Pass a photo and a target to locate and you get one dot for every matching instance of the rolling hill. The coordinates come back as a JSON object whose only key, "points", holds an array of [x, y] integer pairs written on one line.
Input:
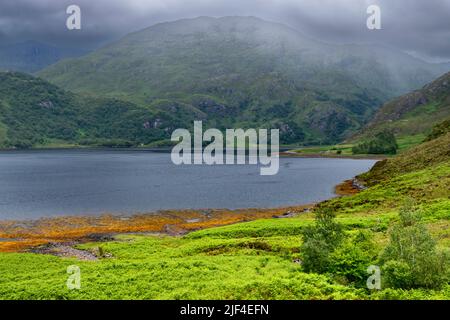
{"points": [[429, 154], [34, 113], [247, 72], [414, 113]]}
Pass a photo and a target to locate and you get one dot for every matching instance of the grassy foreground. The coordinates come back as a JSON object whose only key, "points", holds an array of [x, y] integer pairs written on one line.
{"points": [[253, 260]]}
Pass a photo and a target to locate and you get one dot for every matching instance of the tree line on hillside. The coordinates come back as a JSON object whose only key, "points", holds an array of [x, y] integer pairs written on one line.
{"points": [[383, 142]]}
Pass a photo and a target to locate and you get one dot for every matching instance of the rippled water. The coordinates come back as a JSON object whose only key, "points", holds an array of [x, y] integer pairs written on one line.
{"points": [[43, 183]]}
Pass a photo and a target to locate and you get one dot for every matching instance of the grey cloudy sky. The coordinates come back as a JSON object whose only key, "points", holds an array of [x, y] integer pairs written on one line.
{"points": [[421, 27]]}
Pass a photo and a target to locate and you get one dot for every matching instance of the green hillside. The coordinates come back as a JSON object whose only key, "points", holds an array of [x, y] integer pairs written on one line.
{"points": [[246, 72], [415, 113], [431, 153], [35, 113]]}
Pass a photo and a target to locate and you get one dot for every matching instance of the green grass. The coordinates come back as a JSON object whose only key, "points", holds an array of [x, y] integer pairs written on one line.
{"points": [[345, 150], [252, 260], [407, 142], [245, 261], [167, 268]]}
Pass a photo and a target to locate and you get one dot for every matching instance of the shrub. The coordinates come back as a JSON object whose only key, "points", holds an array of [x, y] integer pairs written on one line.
{"points": [[398, 274], [411, 259], [352, 258], [320, 240]]}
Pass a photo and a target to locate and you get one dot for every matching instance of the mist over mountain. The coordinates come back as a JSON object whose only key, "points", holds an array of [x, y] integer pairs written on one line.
{"points": [[247, 72], [31, 56]]}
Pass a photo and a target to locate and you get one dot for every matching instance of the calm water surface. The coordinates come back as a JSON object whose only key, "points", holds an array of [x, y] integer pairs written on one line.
{"points": [[36, 184]]}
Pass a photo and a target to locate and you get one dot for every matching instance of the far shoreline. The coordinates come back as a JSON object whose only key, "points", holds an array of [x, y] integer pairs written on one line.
{"points": [[285, 152], [292, 154]]}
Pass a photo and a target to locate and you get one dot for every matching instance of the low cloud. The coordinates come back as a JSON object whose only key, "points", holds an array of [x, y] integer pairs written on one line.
{"points": [[416, 26]]}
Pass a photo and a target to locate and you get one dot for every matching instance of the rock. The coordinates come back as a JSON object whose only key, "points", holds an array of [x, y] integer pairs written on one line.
{"points": [[97, 237], [46, 104], [288, 214], [65, 250], [356, 184], [174, 230], [147, 125], [99, 252]]}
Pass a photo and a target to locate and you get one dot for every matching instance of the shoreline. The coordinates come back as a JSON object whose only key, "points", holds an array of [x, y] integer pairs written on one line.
{"points": [[167, 149], [283, 153], [28, 235], [291, 154], [38, 235]]}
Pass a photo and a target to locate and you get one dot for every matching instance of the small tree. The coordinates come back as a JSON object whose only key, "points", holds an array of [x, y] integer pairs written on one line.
{"points": [[320, 240], [411, 259]]}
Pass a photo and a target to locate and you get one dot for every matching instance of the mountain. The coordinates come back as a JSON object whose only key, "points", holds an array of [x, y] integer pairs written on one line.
{"points": [[32, 56], [247, 72], [34, 113], [416, 112]]}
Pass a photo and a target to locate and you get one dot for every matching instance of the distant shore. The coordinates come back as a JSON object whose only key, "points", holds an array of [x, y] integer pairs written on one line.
{"points": [[284, 152], [293, 154]]}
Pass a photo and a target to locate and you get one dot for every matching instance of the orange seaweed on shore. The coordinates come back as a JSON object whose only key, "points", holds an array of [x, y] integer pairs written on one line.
{"points": [[22, 235], [346, 188]]}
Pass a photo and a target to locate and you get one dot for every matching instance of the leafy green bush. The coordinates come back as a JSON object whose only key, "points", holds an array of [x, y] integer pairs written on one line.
{"points": [[320, 240], [327, 249], [398, 274], [411, 259], [352, 258], [383, 142]]}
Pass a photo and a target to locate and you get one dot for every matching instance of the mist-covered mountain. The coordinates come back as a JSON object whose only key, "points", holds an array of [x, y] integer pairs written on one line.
{"points": [[416, 112], [32, 56], [243, 71]]}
